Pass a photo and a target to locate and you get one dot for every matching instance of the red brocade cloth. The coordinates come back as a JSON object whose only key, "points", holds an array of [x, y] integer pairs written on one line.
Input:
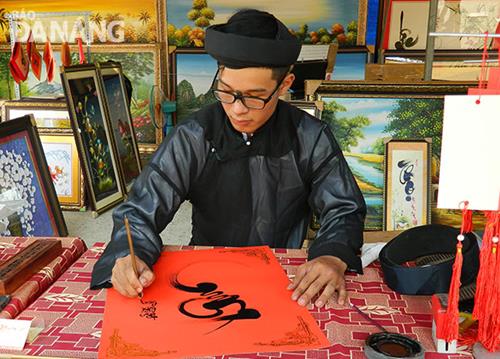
{"points": [[72, 314], [72, 249]]}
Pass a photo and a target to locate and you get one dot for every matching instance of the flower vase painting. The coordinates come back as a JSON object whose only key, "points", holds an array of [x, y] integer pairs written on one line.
{"points": [[94, 135]]}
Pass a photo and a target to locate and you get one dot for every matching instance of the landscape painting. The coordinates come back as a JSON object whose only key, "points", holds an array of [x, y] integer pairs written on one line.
{"points": [[109, 21], [318, 22], [360, 125], [194, 75]]}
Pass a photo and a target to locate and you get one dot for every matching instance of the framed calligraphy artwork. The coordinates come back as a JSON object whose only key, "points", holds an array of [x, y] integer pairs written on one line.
{"points": [[407, 184], [226, 300], [407, 21]]}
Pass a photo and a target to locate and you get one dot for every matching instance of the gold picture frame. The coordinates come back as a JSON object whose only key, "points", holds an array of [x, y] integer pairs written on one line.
{"points": [[61, 154], [48, 114], [407, 183]]}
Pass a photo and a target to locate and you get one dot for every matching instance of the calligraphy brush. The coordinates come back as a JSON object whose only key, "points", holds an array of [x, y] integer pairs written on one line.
{"points": [[132, 254], [368, 318]]}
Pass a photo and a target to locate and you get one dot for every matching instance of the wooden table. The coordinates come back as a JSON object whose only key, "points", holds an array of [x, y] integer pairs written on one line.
{"points": [[73, 314]]}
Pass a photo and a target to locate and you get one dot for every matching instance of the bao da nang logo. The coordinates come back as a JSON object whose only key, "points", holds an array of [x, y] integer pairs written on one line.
{"points": [[66, 28]]}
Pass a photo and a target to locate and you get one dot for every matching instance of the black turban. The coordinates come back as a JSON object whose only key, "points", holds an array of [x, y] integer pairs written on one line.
{"points": [[252, 38]]}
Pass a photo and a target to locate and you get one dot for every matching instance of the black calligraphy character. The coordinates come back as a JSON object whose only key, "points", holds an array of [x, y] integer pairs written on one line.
{"points": [[405, 177], [214, 303], [149, 309]]}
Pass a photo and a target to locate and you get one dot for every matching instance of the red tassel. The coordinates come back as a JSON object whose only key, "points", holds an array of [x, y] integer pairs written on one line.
{"points": [[481, 297], [487, 304], [450, 327], [81, 53]]}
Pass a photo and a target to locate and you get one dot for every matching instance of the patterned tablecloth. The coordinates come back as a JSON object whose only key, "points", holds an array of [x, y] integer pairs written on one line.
{"points": [[73, 314], [73, 248]]}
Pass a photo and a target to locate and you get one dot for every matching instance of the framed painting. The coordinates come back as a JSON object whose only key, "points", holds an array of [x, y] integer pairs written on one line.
{"points": [[61, 154], [345, 23], [117, 101], [349, 66], [407, 22], [311, 107], [27, 196], [47, 113], [194, 71], [141, 65], [407, 184], [94, 136], [362, 114]]}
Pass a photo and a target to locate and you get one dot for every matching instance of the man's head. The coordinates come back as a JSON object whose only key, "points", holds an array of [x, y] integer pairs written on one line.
{"points": [[255, 52]]}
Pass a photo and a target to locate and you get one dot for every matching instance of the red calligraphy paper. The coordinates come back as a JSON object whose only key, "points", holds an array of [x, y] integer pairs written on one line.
{"points": [[210, 302]]}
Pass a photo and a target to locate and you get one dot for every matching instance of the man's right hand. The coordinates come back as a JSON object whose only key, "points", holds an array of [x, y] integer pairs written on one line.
{"points": [[124, 279]]}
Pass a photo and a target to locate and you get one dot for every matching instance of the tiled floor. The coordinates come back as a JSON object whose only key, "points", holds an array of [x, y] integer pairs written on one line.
{"points": [[91, 230]]}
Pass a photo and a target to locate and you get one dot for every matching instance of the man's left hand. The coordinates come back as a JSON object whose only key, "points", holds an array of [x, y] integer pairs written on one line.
{"points": [[324, 273]]}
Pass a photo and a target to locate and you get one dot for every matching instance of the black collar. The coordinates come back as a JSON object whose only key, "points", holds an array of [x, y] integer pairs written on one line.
{"points": [[274, 139]]}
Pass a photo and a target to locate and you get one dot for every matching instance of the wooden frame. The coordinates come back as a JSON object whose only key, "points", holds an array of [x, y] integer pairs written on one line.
{"points": [[26, 178], [407, 183], [364, 108], [47, 113], [93, 134], [61, 154], [121, 121]]}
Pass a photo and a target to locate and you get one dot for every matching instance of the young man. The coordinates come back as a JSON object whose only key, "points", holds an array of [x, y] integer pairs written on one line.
{"points": [[253, 167]]}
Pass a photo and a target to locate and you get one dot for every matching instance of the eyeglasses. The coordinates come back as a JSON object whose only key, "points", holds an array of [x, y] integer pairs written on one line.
{"points": [[251, 102]]}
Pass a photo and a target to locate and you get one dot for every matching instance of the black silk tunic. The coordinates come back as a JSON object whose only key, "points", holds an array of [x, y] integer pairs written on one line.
{"points": [[258, 191]]}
